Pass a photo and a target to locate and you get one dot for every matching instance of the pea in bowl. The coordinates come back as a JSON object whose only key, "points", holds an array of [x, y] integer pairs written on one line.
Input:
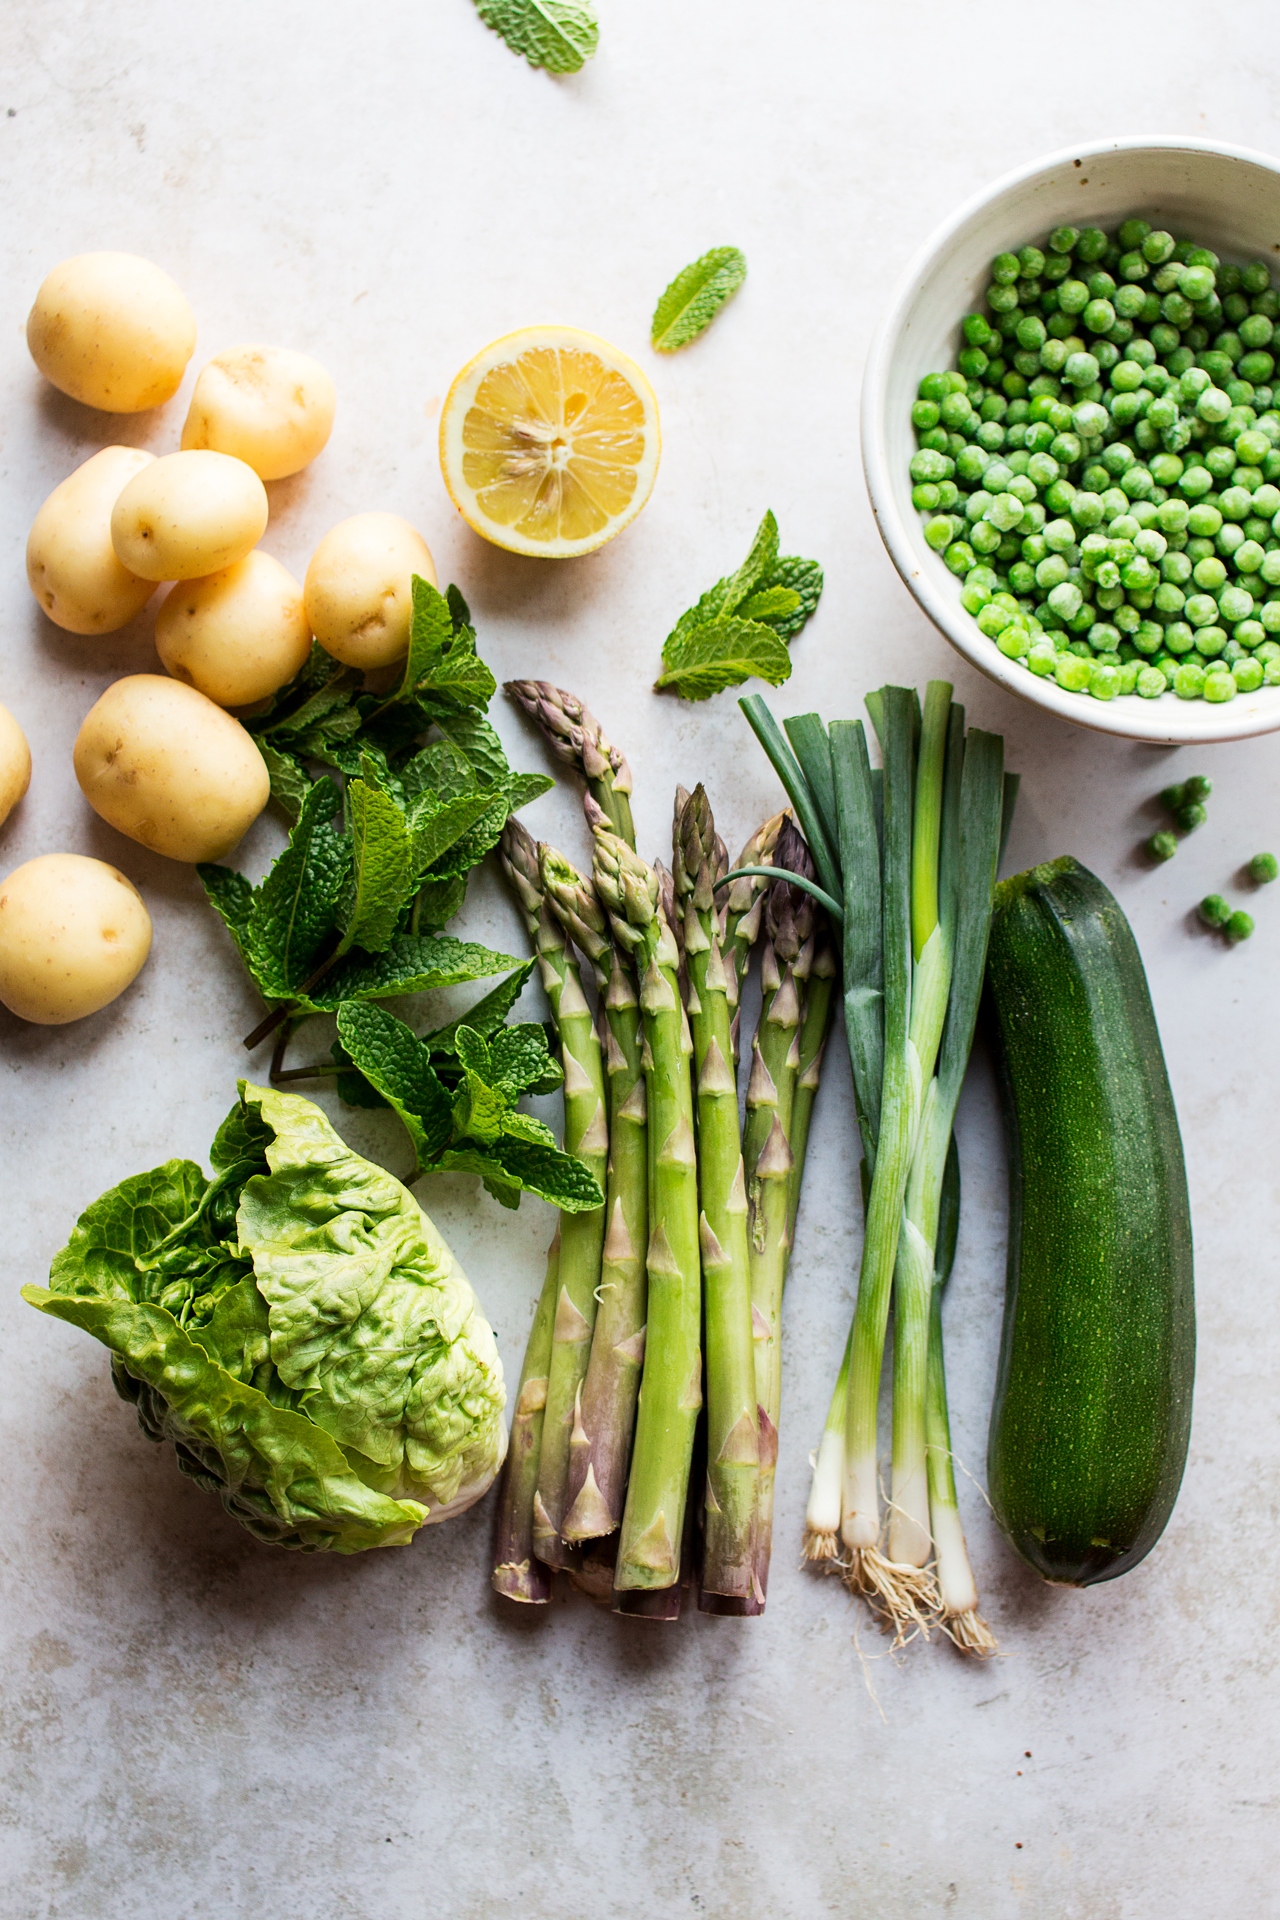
{"points": [[1071, 436]]}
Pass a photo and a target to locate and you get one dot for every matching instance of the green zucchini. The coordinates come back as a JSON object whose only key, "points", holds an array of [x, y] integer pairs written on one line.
{"points": [[1092, 1407]]}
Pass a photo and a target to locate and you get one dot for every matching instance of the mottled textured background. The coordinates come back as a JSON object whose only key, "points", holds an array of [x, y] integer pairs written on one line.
{"points": [[197, 1726]]}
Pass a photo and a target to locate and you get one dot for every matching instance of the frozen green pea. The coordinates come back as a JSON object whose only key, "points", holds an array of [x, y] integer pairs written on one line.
{"points": [[959, 557], [1248, 674], [1162, 846], [1214, 911], [1219, 687], [1104, 681], [1072, 674], [1263, 868], [1188, 681], [1238, 927], [1150, 684], [1014, 641]]}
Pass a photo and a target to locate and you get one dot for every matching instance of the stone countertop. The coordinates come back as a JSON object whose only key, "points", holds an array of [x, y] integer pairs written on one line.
{"points": [[195, 1725]]}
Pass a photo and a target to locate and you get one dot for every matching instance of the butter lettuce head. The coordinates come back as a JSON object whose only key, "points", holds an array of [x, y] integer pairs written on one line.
{"points": [[296, 1327]]}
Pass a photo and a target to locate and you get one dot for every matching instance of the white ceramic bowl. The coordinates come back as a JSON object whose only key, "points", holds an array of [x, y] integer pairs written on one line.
{"points": [[1223, 197]]}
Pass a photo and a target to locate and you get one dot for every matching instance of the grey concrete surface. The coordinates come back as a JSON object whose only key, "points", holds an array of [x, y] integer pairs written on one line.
{"points": [[195, 1726]]}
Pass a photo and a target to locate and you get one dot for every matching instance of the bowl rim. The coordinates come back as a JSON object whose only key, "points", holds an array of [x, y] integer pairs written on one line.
{"points": [[1148, 723]]}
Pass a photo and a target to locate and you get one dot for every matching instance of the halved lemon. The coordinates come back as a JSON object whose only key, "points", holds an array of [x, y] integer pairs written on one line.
{"points": [[549, 442]]}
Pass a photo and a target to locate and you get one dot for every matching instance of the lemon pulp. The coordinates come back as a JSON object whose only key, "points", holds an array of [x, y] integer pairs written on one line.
{"points": [[549, 441]]}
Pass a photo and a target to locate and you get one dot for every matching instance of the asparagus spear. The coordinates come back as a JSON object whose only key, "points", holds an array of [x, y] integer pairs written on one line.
{"points": [[517, 1572], [576, 736], [790, 922], [604, 1418], [586, 1134], [733, 1437], [671, 1385]]}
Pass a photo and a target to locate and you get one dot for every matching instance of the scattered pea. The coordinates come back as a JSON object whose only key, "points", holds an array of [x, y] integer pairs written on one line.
{"points": [[1238, 927], [1263, 868], [1162, 846], [1214, 910]]}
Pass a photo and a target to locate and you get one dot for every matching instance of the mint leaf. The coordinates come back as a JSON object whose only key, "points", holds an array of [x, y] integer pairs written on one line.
{"points": [[741, 625], [521, 1058], [723, 653], [434, 829], [695, 297], [546, 1171], [438, 901], [443, 669], [295, 909], [382, 865], [524, 787], [413, 963], [771, 604], [556, 34], [486, 1015], [804, 579], [474, 738], [398, 1065], [290, 781], [232, 896]]}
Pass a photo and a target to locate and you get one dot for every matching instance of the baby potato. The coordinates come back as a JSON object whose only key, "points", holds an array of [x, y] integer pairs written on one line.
{"points": [[72, 566], [269, 406], [236, 635], [73, 935], [165, 765], [359, 588], [15, 764], [112, 330], [187, 515]]}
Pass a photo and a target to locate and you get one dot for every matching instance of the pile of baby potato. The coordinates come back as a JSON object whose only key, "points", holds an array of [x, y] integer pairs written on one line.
{"points": [[162, 759]]}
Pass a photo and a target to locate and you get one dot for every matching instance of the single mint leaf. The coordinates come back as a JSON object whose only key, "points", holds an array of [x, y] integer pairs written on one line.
{"points": [[231, 894], [486, 1016], [723, 653], [520, 1056], [439, 769], [328, 702], [439, 900], [398, 1066], [695, 297], [804, 579], [459, 611], [472, 1050], [524, 787], [474, 738], [551, 1174], [523, 1126], [434, 829], [479, 1110], [470, 849], [556, 34], [290, 781], [414, 963], [295, 909], [382, 872], [755, 569], [771, 604], [472, 1159]]}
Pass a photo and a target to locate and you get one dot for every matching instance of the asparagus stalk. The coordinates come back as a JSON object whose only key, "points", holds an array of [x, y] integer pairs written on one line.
{"points": [[671, 1384], [576, 736], [586, 1135], [733, 1438], [517, 1573], [604, 1418]]}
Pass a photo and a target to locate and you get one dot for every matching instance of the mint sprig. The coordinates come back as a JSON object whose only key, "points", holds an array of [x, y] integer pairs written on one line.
{"points": [[556, 34], [456, 1092], [695, 297], [741, 626]]}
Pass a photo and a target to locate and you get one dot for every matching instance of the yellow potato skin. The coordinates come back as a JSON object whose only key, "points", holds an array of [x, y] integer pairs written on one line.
{"points": [[74, 934], [269, 406], [188, 514], [236, 635], [359, 588], [165, 765], [113, 331], [15, 764], [72, 567]]}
